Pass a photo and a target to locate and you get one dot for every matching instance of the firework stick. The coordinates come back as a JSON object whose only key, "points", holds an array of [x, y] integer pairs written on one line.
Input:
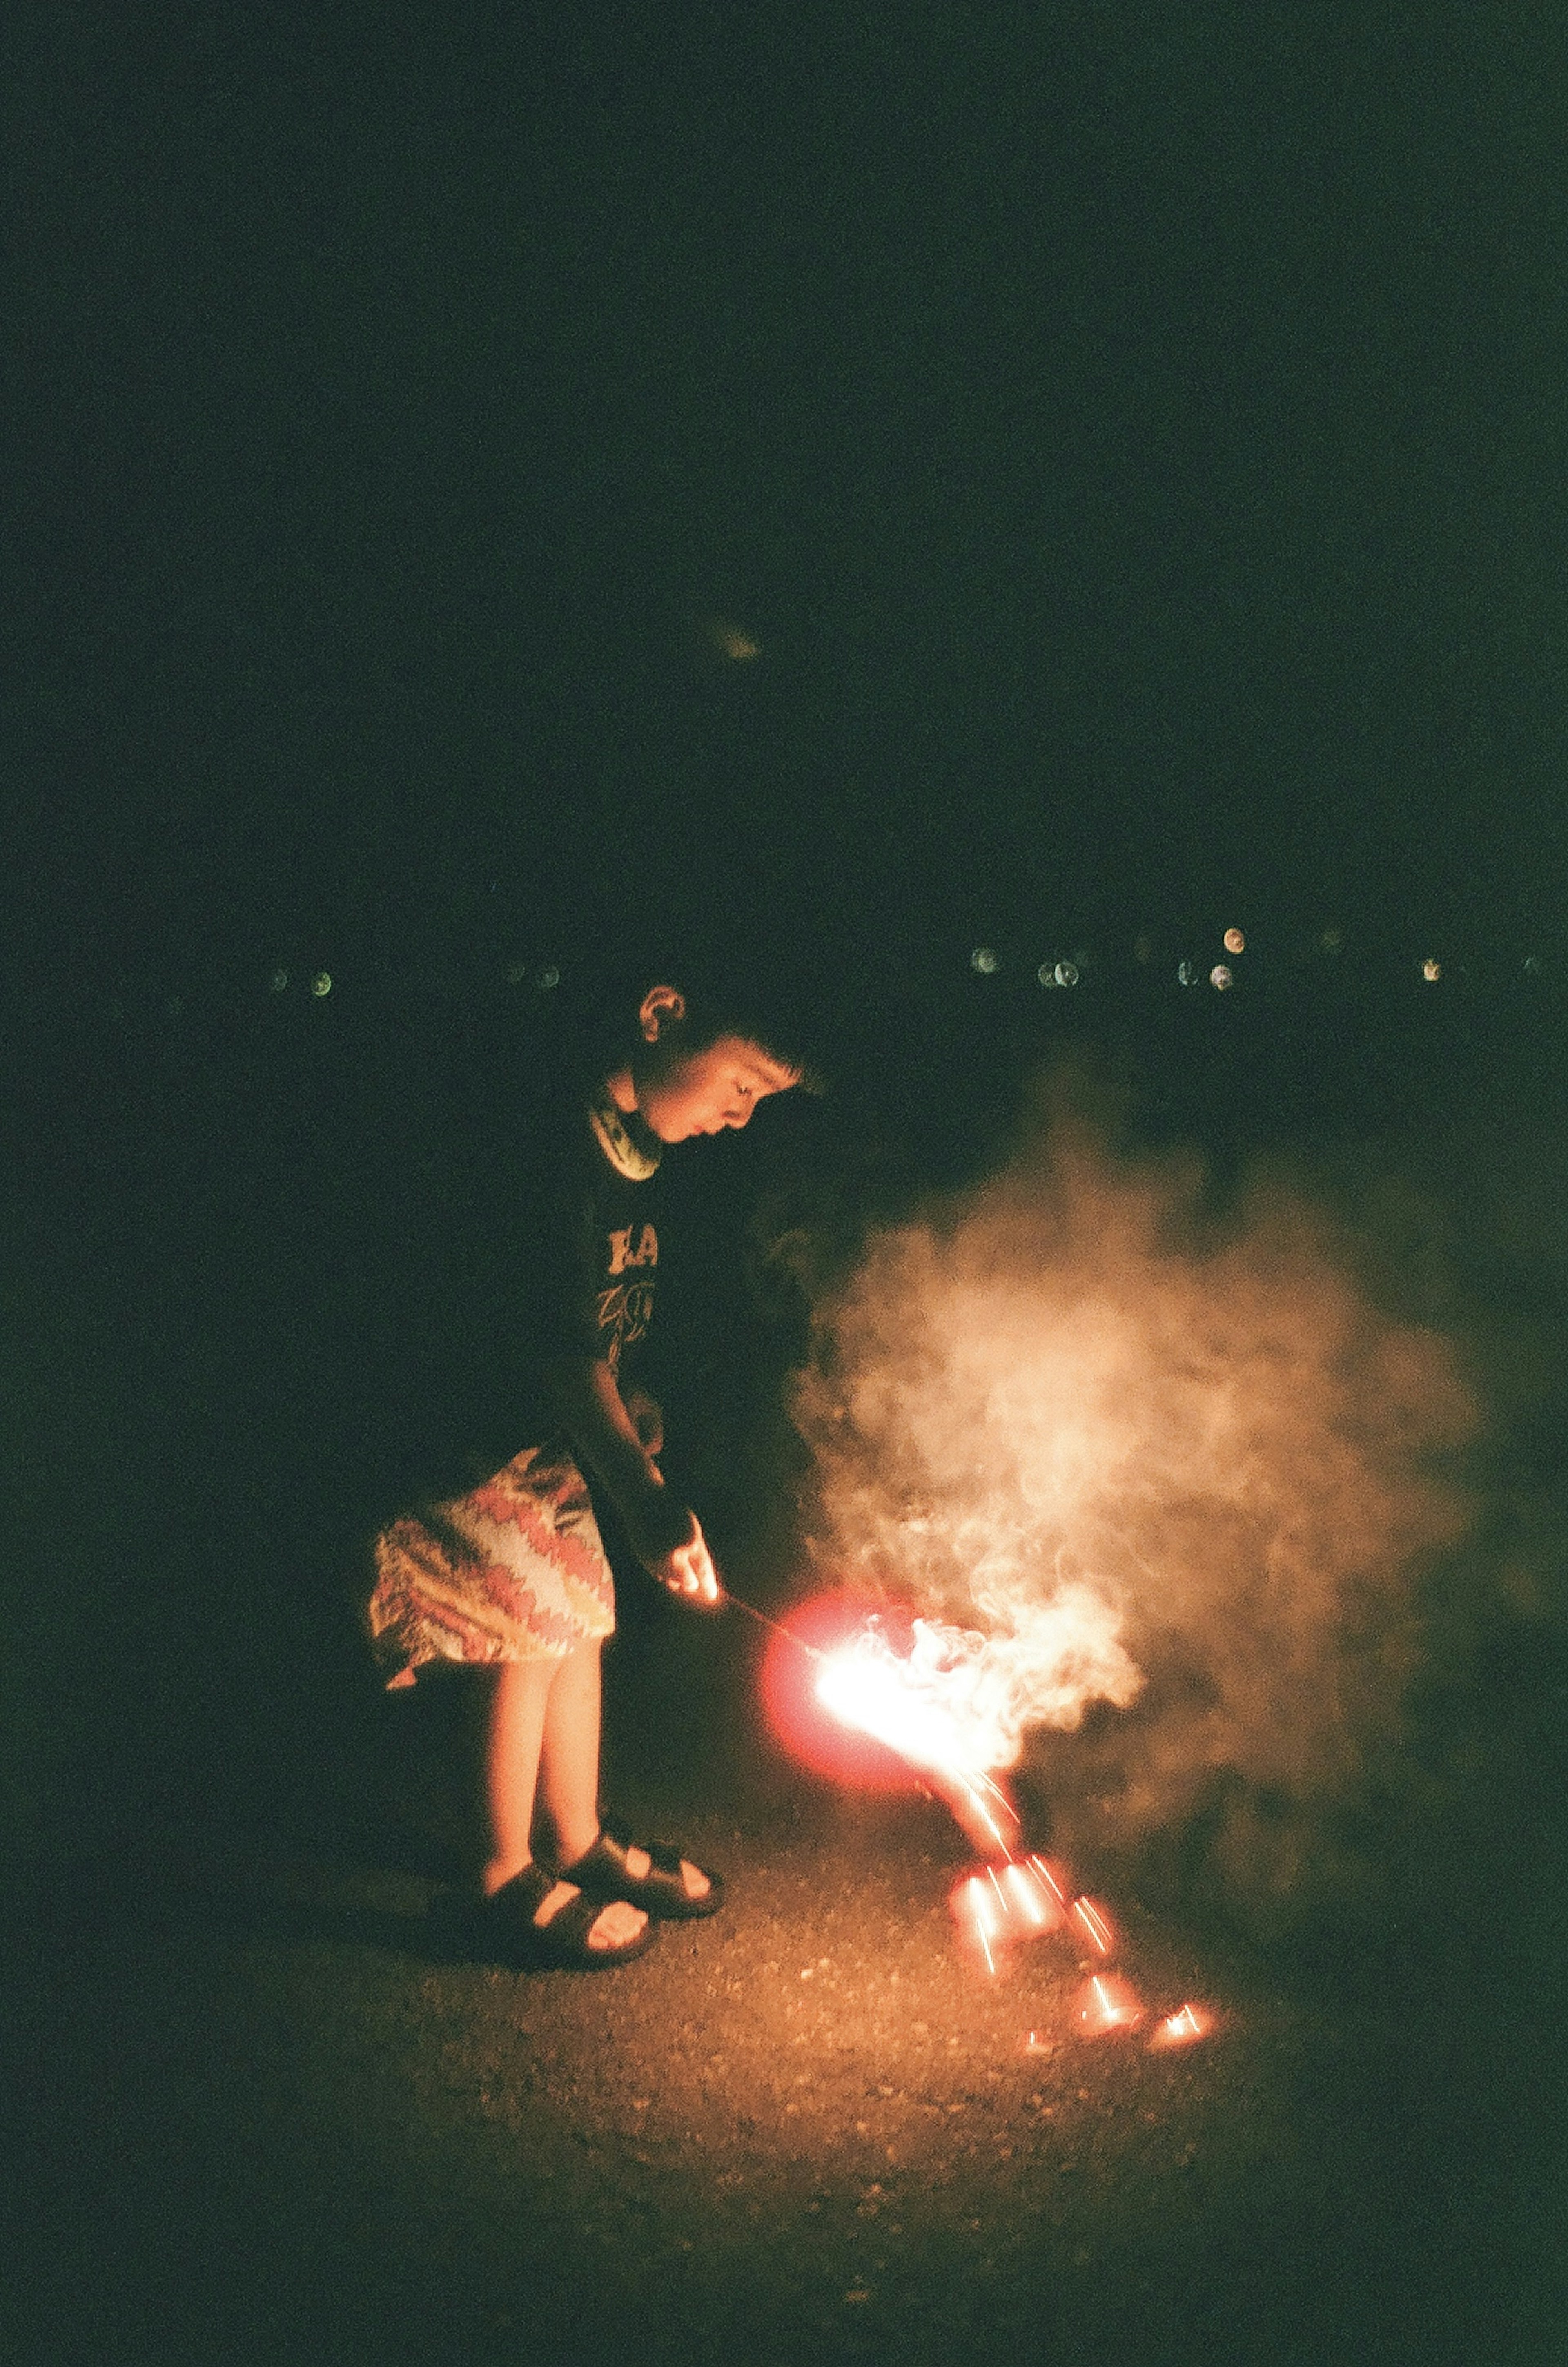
{"points": [[980, 1806], [812, 1651]]}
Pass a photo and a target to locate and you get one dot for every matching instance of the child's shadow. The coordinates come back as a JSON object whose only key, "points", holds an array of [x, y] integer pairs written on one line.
{"points": [[414, 1902]]}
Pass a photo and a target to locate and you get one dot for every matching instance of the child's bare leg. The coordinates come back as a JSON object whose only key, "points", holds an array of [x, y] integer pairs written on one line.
{"points": [[569, 1757], [569, 1769], [520, 1691], [544, 1722]]}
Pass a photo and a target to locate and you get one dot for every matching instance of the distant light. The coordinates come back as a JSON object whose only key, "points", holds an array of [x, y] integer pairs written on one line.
{"points": [[1143, 949], [986, 959], [1331, 941], [1046, 973], [278, 980], [515, 973], [1222, 975], [548, 978], [1066, 973], [1187, 973], [1532, 964], [1431, 971], [1235, 942], [321, 983], [731, 643]]}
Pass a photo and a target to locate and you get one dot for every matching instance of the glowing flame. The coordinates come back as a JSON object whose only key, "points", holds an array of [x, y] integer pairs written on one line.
{"points": [[1180, 2029], [980, 1912], [1091, 1922], [1001, 1907], [1105, 2006], [1034, 1899], [958, 1703]]}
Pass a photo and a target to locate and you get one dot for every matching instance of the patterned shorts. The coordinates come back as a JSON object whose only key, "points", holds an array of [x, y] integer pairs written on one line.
{"points": [[515, 1571]]}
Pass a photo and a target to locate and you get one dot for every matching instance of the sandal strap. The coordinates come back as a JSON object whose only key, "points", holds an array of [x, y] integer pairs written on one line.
{"points": [[609, 1854], [525, 1893], [564, 1937], [569, 1927], [602, 1870]]}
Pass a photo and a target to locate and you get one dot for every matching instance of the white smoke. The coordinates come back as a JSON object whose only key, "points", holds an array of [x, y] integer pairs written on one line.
{"points": [[964, 1699], [1071, 1387]]}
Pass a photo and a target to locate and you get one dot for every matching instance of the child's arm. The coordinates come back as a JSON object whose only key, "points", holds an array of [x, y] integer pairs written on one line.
{"points": [[665, 1537]]}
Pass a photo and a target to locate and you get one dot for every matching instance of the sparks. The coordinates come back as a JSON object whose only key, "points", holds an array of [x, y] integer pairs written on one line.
{"points": [[980, 1914], [1180, 2029], [1092, 1923], [1031, 1902], [955, 1705], [1105, 2006]]}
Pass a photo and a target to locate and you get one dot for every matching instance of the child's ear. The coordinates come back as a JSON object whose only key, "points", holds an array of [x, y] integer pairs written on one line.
{"points": [[661, 1006]]}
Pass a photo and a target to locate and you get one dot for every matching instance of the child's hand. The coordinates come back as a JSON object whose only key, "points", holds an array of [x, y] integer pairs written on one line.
{"points": [[688, 1570], [648, 1420]]}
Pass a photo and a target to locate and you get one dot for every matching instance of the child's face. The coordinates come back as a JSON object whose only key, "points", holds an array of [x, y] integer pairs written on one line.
{"points": [[681, 1094]]}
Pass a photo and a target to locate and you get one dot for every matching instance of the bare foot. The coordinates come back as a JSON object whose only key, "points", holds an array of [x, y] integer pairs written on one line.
{"points": [[693, 1879], [615, 1926]]}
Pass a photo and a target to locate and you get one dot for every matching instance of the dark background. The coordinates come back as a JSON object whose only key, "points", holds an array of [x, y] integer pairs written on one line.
{"points": [[1133, 439]]}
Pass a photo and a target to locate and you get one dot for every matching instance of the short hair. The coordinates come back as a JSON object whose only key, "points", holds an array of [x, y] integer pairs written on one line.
{"points": [[767, 1001], [763, 1002]]}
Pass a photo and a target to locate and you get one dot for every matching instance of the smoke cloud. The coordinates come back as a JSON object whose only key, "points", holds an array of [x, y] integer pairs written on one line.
{"points": [[1077, 1382]]}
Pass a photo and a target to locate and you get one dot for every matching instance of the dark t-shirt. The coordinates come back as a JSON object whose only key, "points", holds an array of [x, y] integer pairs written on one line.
{"points": [[550, 1249], [596, 1258]]}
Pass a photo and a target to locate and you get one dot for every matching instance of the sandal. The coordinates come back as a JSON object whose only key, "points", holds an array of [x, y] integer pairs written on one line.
{"points": [[601, 1873], [506, 1925]]}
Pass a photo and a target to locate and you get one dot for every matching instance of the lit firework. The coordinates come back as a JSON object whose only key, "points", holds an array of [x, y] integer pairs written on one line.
{"points": [[951, 1709], [957, 1705]]}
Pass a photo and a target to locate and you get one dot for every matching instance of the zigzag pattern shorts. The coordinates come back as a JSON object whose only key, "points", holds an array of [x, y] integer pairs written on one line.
{"points": [[515, 1571]]}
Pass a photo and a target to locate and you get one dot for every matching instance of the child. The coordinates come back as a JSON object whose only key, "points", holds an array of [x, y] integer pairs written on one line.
{"points": [[513, 1574]]}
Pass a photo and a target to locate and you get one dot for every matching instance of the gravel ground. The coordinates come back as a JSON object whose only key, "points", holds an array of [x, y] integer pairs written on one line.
{"points": [[269, 2121]]}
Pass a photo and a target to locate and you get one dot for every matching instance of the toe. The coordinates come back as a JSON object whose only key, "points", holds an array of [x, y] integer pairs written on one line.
{"points": [[617, 1927], [696, 1881]]}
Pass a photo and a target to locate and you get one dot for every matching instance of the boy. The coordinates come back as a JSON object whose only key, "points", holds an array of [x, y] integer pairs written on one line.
{"points": [[513, 1574]]}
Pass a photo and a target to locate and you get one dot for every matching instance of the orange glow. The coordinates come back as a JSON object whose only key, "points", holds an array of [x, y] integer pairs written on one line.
{"points": [[1235, 942], [1053, 1882], [798, 1716], [1092, 1923], [1180, 2029], [955, 1702], [1002, 1906], [980, 1912], [1431, 971], [1032, 1904], [1105, 2006], [731, 643]]}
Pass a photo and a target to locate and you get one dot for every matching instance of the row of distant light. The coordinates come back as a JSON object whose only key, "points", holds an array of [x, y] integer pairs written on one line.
{"points": [[321, 981], [986, 961]]}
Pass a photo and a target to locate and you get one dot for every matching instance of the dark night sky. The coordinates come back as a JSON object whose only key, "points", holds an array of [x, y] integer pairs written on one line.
{"points": [[1134, 435]]}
